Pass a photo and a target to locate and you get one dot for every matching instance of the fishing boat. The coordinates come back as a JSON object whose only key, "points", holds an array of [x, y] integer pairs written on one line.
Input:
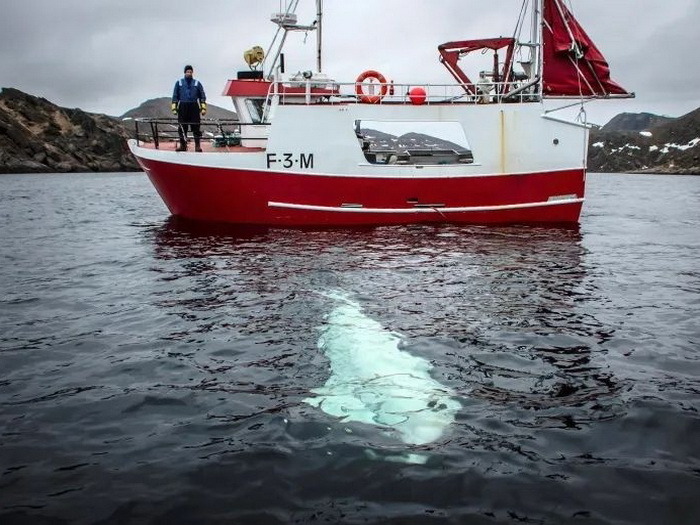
{"points": [[307, 150]]}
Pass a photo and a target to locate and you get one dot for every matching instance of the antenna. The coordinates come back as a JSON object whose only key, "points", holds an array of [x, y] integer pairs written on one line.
{"points": [[287, 21]]}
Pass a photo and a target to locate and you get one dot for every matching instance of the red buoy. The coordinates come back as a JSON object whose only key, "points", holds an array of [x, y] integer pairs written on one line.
{"points": [[417, 96]]}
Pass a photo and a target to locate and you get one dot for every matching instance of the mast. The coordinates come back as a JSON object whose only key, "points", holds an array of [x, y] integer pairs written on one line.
{"points": [[319, 34], [537, 29], [286, 22]]}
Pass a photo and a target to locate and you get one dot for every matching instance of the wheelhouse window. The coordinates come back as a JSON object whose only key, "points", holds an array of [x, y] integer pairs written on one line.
{"points": [[413, 143], [255, 109]]}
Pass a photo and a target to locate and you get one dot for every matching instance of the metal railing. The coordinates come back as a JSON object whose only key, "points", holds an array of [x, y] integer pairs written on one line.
{"points": [[343, 93], [219, 132]]}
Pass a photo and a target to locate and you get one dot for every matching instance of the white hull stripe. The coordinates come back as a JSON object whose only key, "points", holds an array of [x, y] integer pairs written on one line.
{"points": [[556, 202]]}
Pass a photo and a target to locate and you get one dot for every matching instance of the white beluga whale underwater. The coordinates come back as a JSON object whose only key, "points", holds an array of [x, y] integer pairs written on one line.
{"points": [[373, 381]]}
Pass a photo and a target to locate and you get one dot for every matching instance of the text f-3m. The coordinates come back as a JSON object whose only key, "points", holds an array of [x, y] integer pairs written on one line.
{"points": [[290, 160]]}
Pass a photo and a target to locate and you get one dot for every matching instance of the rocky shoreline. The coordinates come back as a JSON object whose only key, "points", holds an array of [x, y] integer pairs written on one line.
{"points": [[37, 136]]}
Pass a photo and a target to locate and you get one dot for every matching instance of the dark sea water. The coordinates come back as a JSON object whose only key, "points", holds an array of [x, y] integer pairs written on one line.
{"points": [[154, 372]]}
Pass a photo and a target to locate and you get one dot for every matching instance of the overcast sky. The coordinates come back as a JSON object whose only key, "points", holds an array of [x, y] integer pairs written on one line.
{"points": [[108, 56]]}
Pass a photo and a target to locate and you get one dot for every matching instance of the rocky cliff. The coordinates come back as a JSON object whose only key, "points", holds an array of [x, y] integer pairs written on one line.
{"points": [[664, 146], [38, 136]]}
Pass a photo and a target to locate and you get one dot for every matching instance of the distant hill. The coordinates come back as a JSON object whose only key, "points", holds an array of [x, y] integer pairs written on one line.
{"points": [[412, 140], [160, 107], [635, 122], [669, 146]]}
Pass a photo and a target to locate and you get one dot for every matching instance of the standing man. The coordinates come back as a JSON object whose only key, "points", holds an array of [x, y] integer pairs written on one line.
{"points": [[188, 102]]}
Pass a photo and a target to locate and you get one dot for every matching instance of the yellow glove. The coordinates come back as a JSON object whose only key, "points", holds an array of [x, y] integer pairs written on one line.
{"points": [[173, 108], [203, 108]]}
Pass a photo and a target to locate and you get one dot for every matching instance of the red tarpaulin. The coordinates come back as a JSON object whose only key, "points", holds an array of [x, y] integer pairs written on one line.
{"points": [[572, 67]]}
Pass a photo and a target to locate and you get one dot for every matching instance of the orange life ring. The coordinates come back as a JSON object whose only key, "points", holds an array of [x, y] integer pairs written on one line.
{"points": [[364, 97]]}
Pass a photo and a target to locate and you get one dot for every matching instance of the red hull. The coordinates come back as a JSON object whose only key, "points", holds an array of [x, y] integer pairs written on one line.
{"points": [[273, 198]]}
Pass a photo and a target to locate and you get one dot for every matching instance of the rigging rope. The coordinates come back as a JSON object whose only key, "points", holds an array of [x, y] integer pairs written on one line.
{"points": [[521, 20]]}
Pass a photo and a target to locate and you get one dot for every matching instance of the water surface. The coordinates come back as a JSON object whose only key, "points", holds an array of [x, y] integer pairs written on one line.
{"points": [[154, 371]]}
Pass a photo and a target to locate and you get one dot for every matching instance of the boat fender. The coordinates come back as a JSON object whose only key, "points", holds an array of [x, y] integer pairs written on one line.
{"points": [[417, 96], [370, 74]]}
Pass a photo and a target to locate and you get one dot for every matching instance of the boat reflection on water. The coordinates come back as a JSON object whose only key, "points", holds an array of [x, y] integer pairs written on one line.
{"points": [[505, 316], [178, 238]]}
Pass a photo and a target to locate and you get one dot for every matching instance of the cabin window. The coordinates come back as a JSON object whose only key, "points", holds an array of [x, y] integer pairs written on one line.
{"points": [[255, 109], [412, 143]]}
